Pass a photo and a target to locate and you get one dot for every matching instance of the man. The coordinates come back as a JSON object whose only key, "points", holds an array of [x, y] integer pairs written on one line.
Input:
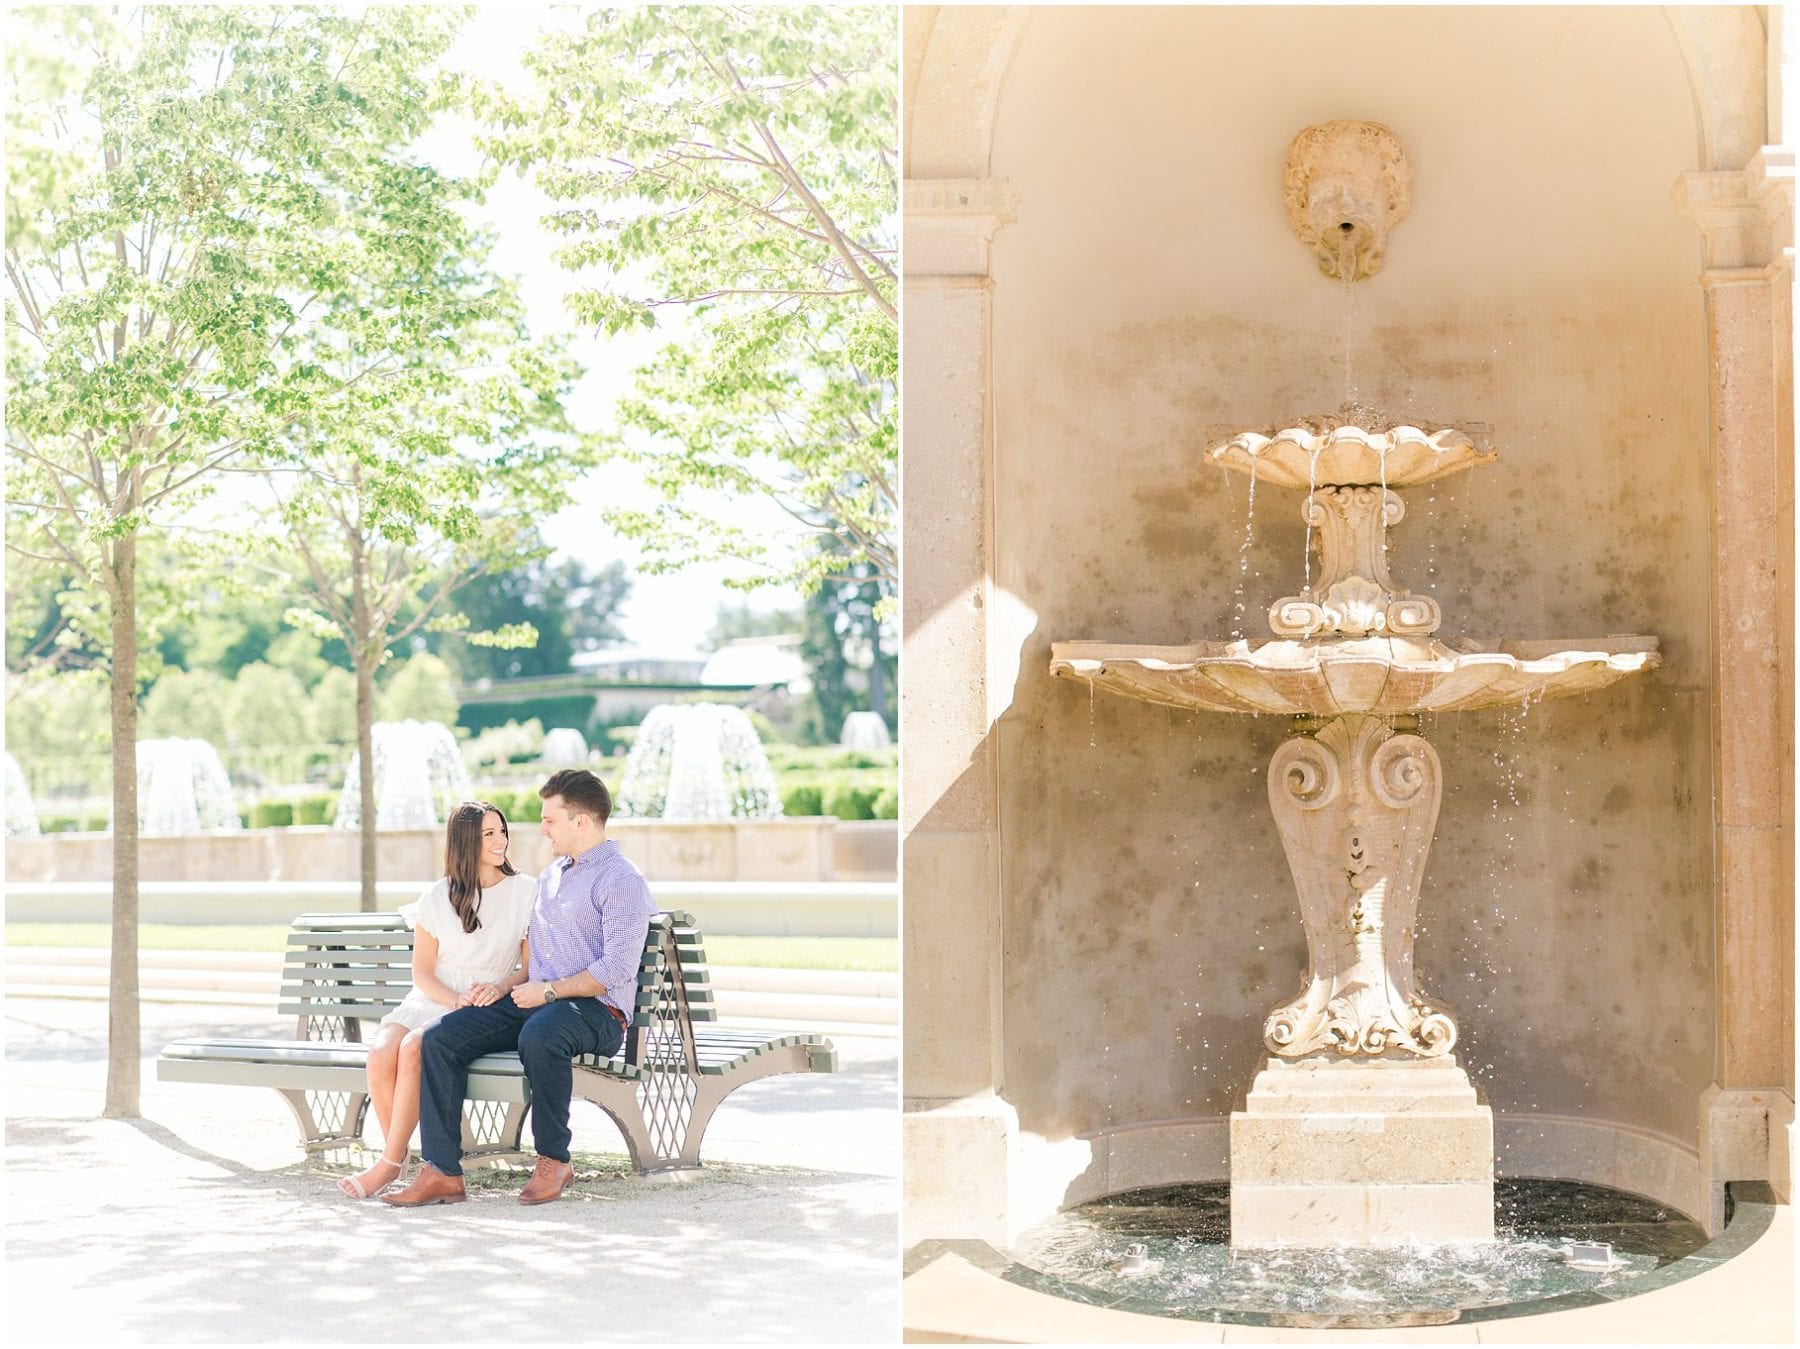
{"points": [[587, 935]]}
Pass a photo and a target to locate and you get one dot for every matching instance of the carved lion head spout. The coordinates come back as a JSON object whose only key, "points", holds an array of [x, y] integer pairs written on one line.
{"points": [[1348, 184]]}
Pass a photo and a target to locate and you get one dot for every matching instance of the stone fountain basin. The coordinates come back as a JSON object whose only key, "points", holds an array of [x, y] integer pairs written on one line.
{"points": [[1322, 453], [1382, 675]]}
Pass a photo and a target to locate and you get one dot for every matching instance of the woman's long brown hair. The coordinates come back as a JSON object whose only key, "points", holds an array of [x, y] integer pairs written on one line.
{"points": [[462, 858]]}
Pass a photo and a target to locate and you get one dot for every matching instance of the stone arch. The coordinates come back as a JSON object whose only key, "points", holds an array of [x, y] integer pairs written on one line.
{"points": [[1723, 48], [956, 63], [958, 58]]}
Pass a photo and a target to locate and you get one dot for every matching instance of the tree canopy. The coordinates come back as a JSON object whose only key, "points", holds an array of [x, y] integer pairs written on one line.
{"points": [[737, 165]]}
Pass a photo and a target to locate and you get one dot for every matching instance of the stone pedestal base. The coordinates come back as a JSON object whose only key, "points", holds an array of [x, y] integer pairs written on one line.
{"points": [[958, 1158], [1359, 1152]]}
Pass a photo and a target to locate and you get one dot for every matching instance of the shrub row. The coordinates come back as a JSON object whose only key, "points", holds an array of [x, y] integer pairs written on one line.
{"points": [[848, 796], [821, 758]]}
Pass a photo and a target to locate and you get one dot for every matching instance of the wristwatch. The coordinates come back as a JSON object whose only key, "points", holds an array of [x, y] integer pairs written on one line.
{"points": [[549, 992]]}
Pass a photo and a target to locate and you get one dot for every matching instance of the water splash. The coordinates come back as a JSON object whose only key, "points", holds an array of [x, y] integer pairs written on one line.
{"points": [[697, 761], [865, 730], [183, 788], [1186, 1229], [419, 777], [21, 813], [564, 747]]}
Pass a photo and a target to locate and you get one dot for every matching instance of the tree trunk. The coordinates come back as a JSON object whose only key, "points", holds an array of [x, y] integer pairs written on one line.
{"points": [[877, 680], [364, 657], [124, 1034], [365, 776]]}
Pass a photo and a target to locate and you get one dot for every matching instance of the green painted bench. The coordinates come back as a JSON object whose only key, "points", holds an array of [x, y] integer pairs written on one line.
{"points": [[672, 1071]]}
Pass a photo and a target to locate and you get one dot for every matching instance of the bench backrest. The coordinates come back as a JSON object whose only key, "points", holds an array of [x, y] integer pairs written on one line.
{"points": [[343, 969], [674, 990]]}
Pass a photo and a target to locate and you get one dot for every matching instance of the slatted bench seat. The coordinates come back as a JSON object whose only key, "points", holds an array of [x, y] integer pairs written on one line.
{"points": [[672, 1071]]}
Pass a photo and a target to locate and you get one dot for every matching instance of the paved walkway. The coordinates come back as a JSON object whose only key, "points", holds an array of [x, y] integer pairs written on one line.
{"points": [[201, 1223]]}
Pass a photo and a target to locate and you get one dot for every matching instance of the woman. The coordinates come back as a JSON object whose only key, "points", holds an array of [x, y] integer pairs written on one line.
{"points": [[469, 949]]}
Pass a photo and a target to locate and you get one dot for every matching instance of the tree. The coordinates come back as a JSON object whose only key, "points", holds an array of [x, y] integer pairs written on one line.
{"points": [[572, 606], [267, 709], [188, 189], [334, 707], [732, 621], [742, 161], [433, 479], [843, 643], [419, 689], [186, 703]]}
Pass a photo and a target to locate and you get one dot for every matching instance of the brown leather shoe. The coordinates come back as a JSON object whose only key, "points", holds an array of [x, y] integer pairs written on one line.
{"points": [[430, 1186], [548, 1180]]}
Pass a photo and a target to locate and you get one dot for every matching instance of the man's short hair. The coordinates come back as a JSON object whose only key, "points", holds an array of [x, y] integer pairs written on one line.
{"points": [[581, 791]]}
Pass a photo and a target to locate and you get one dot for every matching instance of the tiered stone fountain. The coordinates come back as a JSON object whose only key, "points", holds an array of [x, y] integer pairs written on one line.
{"points": [[1361, 1129]]}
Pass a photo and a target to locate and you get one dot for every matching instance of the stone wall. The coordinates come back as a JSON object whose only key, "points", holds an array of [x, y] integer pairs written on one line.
{"points": [[812, 849]]}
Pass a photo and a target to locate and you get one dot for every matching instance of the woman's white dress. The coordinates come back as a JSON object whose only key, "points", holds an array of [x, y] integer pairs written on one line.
{"points": [[484, 956]]}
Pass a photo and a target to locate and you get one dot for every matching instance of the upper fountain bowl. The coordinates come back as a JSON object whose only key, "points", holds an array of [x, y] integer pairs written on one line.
{"points": [[1325, 452]]}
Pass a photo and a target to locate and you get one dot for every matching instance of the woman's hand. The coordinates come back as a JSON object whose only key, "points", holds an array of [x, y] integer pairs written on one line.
{"points": [[482, 995]]}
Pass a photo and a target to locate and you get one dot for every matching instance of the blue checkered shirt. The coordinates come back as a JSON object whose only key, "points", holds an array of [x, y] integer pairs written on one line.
{"points": [[592, 914]]}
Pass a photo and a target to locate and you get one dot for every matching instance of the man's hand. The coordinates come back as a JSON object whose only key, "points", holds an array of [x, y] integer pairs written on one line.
{"points": [[528, 995]]}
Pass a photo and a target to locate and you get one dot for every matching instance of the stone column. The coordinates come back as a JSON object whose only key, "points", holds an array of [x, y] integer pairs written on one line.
{"points": [[959, 1132], [1746, 220]]}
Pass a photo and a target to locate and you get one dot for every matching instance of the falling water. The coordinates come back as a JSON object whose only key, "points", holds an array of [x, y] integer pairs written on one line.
{"points": [[1384, 514], [1312, 485], [1346, 266], [1244, 551]]}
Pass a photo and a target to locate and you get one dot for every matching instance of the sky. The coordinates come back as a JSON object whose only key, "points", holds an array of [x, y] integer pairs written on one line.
{"points": [[667, 613]]}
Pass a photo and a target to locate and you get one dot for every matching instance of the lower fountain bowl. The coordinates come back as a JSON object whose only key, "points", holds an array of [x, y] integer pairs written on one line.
{"points": [[1390, 676]]}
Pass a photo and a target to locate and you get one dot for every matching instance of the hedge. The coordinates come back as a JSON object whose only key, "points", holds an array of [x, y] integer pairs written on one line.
{"points": [[319, 808], [802, 799], [272, 815]]}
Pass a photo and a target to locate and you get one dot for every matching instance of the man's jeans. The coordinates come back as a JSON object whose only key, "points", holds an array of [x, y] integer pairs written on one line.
{"points": [[546, 1037]]}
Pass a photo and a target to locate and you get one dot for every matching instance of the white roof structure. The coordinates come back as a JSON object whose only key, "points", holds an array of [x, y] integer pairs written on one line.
{"points": [[758, 660]]}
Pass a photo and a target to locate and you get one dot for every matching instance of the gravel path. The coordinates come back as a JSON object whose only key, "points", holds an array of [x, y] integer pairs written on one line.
{"points": [[201, 1223]]}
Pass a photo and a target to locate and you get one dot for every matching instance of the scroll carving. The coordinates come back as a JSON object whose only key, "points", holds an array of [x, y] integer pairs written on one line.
{"points": [[1355, 596], [1356, 805]]}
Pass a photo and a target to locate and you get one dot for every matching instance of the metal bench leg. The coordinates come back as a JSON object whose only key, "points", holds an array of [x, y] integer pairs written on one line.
{"points": [[652, 1117], [328, 1120], [491, 1132]]}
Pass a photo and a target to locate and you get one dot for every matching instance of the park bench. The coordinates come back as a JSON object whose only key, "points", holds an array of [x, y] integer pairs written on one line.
{"points": [[672, 1071]]}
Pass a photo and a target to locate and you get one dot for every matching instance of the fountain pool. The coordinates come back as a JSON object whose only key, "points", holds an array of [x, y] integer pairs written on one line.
{"points": [[1189, 1268]]}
